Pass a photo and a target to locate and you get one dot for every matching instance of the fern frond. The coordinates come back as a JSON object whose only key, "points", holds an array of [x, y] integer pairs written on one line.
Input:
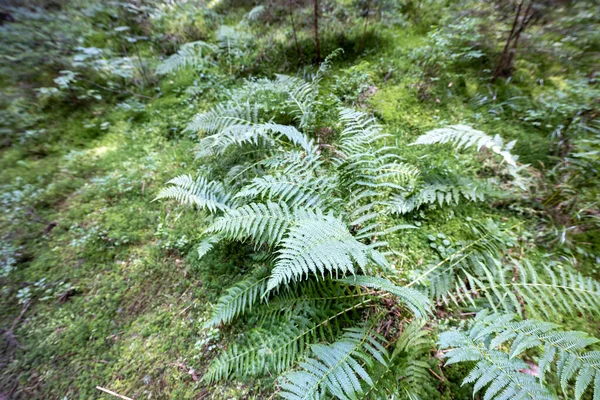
{"points": [[223, 116], [549, 296], [440, 193], [301, 100], [239, 299], [276, 348], [308, 190], [317, 246], [407, 373], [337, 369], [189, 55], [200, 192], [573, 361], [207, 245], [261, 222], [493, 369], [272, 349], [237, 124], [231, 40], [414, 300], [463, 136], [360, 131]]}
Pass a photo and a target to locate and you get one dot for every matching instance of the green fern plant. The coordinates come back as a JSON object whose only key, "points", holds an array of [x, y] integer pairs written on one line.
{"points": [[320, 210]]}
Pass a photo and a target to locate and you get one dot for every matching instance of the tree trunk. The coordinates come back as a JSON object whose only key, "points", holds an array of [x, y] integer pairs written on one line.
{"points": [[294, 29], [505, 64], [317, 42]]}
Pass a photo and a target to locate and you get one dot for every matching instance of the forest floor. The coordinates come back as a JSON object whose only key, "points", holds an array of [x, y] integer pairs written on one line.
{"points": [[109, 290]]}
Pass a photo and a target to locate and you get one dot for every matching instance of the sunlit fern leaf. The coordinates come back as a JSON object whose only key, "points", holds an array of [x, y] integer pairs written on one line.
{"points": [[263, 223], [239, 298], [338, 369], [319, 247], [294, 162], [463, 136], [301, 102], [414, 300], [189, 55], [494, 370], [293, 189], [237, 124], [200, 192], [225, 115], [290, 133]]}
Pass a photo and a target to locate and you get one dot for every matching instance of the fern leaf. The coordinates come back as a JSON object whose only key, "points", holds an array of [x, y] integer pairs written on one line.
{"points": [[360, 132], [293, 189], [574, 361], [199, 192], [319, 246], [276, 348], [337, 369], [558, 294], [463, 136], [189, 55], [413, 299], [261, 222], [239, 299], [207, 245], [495, 369]]}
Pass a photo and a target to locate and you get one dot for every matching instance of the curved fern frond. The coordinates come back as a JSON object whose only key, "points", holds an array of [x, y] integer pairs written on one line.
{"points": [[272, 349], [317, 246], [301, 100], [224, 116], [338, 369], [463, 136], [237, 124], [414, 300], [200, 192], [189, 55], [407, 373], [360, 131], [239, 299]]}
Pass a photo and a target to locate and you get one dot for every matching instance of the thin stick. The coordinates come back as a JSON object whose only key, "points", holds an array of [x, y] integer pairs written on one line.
{"points": [[113, 393]]}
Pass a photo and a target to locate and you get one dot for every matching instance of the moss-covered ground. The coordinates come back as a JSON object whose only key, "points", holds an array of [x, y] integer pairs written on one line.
{"points": [[108, 291]]}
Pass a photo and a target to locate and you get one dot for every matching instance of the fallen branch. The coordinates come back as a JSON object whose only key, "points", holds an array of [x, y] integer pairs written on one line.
{"points": [[113, 393]]}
